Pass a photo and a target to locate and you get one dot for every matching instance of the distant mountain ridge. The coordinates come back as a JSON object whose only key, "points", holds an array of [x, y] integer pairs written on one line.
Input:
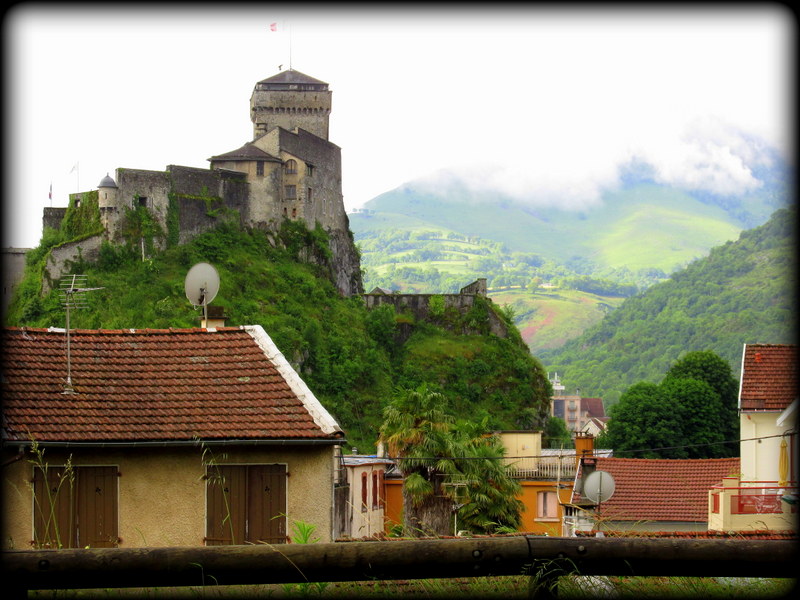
{"points": [[640, 224], [742, 292], [428, 239]]}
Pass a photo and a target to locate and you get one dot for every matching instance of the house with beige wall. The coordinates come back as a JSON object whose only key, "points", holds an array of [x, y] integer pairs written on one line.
{"points": [[363, 513], [763, 495], [178, 437]]}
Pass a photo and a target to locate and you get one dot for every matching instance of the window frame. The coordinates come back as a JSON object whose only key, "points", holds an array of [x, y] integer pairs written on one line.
{"points": [[547, 505]]}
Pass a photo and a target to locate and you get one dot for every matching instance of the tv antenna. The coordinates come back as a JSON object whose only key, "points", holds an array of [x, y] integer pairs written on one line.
{"points": [[201, 286], [71, 289]]}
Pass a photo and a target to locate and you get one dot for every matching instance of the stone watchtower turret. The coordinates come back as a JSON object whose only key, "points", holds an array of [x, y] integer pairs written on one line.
{"points": [[107, 196], [290, 100]]}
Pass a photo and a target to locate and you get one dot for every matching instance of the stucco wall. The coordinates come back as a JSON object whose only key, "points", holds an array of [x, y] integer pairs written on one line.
{"points": [[759, 457], [162, 493], [369, 522]]}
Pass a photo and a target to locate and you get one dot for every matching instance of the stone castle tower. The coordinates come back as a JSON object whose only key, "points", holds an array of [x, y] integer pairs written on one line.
{"points": [[289, 100], [290, 170]]}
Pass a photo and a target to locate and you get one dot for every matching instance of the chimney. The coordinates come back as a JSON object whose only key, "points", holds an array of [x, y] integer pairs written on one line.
{"points": [[215, 317], [584, 446]]}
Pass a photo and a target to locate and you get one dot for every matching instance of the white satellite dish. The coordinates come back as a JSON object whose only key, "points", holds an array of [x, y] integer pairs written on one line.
{"points": [[599, 486], [201, 284]]}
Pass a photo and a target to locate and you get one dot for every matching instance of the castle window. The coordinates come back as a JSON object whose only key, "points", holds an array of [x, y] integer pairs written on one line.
{"points": [[260, 168], [309, 170], [294, 213], [308, 195], [141, 201], [291, 167], [290, 191]]}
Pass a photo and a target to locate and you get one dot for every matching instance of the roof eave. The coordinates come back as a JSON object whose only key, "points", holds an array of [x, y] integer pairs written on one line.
{"points": [[176, 443]]}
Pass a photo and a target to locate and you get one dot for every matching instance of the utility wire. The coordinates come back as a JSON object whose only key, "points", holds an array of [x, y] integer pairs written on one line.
{"points": [[572, 452]]}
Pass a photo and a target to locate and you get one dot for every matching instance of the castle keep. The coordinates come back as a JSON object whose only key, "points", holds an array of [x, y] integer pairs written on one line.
{"points": [[289, 170]]}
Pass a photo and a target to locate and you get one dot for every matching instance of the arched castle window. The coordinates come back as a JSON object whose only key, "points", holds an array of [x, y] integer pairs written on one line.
{"points": [[290, 167]]}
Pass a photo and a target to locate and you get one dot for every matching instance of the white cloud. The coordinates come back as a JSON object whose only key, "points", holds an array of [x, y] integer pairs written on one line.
{"points": [[556, 99]]}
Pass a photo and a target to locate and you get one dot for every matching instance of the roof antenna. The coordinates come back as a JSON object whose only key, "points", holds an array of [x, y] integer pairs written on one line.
{"points": [[72, 289]]}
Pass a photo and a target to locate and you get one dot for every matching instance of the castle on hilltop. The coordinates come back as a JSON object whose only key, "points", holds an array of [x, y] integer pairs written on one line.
{"points": [[290, 170]]}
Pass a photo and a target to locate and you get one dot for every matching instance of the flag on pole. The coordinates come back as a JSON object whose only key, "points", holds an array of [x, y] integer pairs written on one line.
{"points": [[74, 167], [50, 195], [273, 27]]}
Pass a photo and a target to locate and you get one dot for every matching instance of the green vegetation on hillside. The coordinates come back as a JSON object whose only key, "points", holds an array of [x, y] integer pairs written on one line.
{"points": [[741, 293], [690, 414], [351, 358]]}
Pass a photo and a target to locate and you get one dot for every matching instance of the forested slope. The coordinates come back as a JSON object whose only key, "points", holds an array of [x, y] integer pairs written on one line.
{"points": [[742, 292], [353, 360]]}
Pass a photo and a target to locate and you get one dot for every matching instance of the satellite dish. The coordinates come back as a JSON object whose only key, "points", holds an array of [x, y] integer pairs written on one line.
{"points": [[201, 284], [599, 486]]}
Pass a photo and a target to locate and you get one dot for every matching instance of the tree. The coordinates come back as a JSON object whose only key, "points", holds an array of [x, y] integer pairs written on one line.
{"points": [[490, 495], [642, 423], [447, 466], [688, 415], [556, 434], [416, 430], [707, 366]]}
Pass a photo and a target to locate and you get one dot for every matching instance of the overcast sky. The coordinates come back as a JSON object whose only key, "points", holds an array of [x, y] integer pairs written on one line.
{"points": [[553, 100]]}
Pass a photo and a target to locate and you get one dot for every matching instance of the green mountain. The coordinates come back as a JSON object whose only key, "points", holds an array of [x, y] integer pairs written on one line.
{"points": [[537, 260], [351, 358], [742, 292], [643, 225]]}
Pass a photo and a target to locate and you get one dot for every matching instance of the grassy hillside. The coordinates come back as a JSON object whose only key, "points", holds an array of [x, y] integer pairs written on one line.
{"points": [[418, 241], [742, 292], [645, 225], [351, 358], [549, 318]]}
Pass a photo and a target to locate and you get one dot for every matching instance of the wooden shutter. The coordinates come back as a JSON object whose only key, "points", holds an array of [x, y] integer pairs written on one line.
{"points": [[53, 522], [96, 507], [246, 504], [84, 511], [266, 504], [226, 499]]}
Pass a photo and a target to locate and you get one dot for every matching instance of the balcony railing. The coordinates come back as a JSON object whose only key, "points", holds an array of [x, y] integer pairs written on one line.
{"points": [[549, 467], [753, 499]]}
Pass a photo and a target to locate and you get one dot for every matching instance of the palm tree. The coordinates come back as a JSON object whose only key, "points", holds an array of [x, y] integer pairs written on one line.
{"points": [[447, 465], [491, 496], [415, 429]]}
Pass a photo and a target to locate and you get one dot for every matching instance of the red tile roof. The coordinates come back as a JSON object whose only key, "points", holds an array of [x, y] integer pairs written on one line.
{"points": [[662, 489], [763, 534], [593, 406], [769, 377], [155, 385]]}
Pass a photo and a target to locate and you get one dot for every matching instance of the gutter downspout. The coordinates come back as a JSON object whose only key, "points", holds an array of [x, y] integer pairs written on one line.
{"points": [[20, 455]]}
